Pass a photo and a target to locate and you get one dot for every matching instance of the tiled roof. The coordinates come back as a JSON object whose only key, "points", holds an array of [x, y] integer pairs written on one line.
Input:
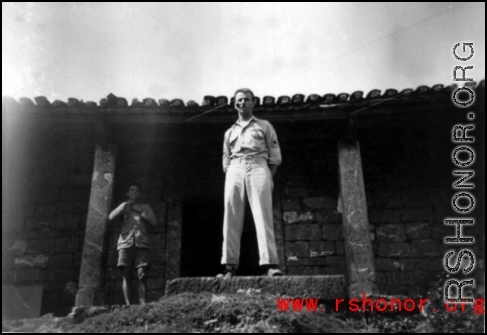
{"points": [[115, 104]]}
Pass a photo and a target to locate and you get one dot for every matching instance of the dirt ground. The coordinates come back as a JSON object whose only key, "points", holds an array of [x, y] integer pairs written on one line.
{"points": [[245, 312]]}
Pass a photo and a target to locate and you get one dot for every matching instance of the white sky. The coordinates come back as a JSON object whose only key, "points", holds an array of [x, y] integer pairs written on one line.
{"points": [[188, 50]]}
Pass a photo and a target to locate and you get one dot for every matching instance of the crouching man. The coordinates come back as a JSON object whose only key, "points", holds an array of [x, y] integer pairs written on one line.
{"points": [[134, 244]]}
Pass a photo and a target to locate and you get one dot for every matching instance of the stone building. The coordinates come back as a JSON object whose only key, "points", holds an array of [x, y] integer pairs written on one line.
{"points": [[366, 181]]}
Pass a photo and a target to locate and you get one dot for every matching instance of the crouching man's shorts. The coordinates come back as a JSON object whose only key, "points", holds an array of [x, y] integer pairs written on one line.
{"points": [[133, 254]]}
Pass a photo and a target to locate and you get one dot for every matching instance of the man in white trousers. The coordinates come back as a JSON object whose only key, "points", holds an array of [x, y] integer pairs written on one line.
{"points": [[251, 155]]}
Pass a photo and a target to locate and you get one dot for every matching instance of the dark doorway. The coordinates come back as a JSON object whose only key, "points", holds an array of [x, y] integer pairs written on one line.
{"points": [[202, 239]]}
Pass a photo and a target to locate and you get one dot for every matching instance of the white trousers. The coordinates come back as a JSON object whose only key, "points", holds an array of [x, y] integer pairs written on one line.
{"points": [[251, 176]]}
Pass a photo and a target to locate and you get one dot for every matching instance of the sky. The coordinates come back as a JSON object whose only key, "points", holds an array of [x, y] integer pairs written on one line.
{"points": [[188, 50]]}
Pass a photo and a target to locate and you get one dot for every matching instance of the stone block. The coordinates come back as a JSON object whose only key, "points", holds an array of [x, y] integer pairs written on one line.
{"points": [[423, 278], [391, 232], [328, 216], [320, 271], [380, 279], [300, 271], [76, 193], [420, 197], [297, 192], [388, 264], [80, 179], [321, 248], [336, 262], [29, 276], [425, 248], [394, 249], [63, 276], [38, 224], [422, 264], [295, 217], [66, 233], [61, 261], [291, 205], [387, 199], [157, 256], [418, 291], [400, 278], [332, 232], [72, 207], [340, 248], [31, 235], [297, 249], [156, 271], [18, 248], [31, 261], [440, 231], [384, 216], [67, 222], [37, 247], [417, 230], [64, 245], [303, 232], [320, 203], [156, 283], [324, 287], [424, 214], [309, 261], [398, 289]]}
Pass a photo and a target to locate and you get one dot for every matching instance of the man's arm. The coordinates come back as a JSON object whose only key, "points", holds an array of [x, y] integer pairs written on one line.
{"points": [[273, 169], [148, 215], [226, 152], [274, 150], [118, 211]]}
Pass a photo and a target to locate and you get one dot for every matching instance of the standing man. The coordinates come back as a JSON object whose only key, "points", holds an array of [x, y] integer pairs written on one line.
{"points": [[133, 244], [251, 155]]}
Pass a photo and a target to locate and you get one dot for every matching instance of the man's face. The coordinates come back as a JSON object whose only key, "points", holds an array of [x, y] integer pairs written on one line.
{"points": [[244, 103], [133, 192]]}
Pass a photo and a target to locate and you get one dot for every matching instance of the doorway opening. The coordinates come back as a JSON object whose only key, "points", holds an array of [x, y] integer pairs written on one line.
{"points": [[202, 238]]}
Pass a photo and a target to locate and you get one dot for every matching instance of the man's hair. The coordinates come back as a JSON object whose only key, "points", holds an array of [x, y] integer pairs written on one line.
{"points": [[245, 91], [134, 183]]}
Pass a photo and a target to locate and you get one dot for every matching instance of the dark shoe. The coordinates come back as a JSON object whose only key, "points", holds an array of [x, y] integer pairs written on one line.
{"points": [[230, 271], [274, 273], [271, 271]]}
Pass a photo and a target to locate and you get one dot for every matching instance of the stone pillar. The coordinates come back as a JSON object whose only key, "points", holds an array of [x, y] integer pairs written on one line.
{"points": [[358, 247], [279, 230], [174, 239], [90, 279]]}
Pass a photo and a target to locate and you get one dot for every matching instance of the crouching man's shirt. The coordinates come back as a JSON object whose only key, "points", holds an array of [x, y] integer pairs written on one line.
{"points": [[134, 226]]}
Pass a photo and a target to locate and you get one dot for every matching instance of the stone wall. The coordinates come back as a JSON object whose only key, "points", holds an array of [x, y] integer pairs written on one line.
{"points": [[407, 173], [44, 209], [308, 193], [171, 163], [408, 181]]}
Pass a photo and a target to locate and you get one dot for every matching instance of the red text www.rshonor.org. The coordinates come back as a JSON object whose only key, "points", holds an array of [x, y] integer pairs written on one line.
{"points": [[367, 304], [297, 304]]}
